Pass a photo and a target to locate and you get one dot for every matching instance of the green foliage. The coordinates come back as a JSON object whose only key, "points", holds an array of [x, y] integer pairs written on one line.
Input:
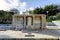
{"points": [[58, 17], [38, 11], [52, 10], [5, 16], [49, 19]]}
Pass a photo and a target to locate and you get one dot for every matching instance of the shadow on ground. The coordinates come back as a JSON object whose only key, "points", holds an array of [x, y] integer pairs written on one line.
{"points": [[55, 33], [4, 36]]}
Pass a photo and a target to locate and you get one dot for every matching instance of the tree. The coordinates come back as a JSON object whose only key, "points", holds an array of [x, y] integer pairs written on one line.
{"points": [[16, 11], [5, 16], [52, 10], [49, 9], [58, 8], [1, 14], [38, 11]]}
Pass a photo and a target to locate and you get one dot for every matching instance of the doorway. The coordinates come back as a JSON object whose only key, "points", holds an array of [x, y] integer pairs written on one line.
{"points": [[29, 22]]}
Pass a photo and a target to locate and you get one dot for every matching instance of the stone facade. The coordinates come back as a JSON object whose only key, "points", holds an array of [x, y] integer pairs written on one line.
{"points": [[31, 21]]}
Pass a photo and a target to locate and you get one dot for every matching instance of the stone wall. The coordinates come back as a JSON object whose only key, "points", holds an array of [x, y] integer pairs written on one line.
{"points": [[29, 21]]}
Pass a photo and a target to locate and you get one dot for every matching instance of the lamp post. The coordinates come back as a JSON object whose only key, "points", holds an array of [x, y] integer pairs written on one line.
{"points": [[47, 13]]}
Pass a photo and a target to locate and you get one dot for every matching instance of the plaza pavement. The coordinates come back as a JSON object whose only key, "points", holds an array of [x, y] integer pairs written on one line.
{"points": [[38, 34]]}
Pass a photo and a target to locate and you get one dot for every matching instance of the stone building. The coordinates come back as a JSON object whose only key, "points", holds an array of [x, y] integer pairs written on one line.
{"points": [[29, 22]]}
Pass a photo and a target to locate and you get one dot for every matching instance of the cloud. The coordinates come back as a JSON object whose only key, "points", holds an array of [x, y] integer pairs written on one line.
{"points": [[9, 4], [31, 8]]}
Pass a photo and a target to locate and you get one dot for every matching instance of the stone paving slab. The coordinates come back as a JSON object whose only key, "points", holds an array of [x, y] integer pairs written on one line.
{"points": [[21, 34], [53, 27]]}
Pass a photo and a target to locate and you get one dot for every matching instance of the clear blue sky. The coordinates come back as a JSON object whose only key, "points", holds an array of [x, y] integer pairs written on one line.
{"points": [[40, 3]]}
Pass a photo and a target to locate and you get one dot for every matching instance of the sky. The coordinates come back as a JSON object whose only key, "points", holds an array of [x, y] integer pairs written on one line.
{"points": [[23, 5]]}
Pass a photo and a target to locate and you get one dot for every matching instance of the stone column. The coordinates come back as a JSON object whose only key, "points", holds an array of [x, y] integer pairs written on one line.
{"points": [[43, 22], [33, 21], [14, 22], [24, 21]]}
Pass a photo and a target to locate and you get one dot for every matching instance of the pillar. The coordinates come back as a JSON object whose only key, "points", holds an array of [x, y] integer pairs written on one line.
{"points": [[43, 22]]}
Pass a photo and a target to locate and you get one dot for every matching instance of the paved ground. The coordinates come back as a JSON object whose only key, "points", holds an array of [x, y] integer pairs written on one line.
{"points": [[40, 34], [56, 22], [22, 34], [53, 27]]}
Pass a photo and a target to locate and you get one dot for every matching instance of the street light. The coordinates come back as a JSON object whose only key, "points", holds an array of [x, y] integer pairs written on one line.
{"points": [[47, 13]]}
